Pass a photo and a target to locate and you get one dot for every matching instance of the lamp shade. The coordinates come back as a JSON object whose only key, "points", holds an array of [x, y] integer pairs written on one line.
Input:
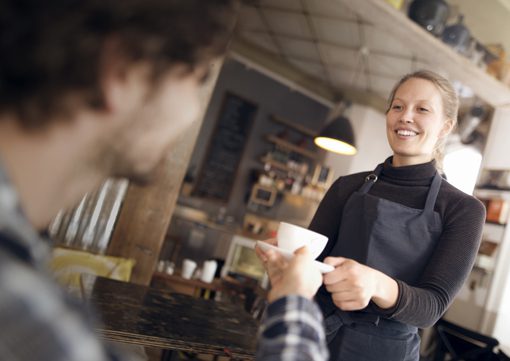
{"points": [[337, 136]]}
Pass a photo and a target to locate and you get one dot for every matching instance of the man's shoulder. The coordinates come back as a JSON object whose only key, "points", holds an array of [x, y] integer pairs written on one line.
{"points": [[41, 318]]}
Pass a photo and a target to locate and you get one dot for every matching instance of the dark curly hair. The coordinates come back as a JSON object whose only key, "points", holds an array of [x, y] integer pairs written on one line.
{"points": [[50, 49]]}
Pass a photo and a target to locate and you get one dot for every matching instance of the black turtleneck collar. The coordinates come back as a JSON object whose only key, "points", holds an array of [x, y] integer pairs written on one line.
{"points": [[411, 174]]}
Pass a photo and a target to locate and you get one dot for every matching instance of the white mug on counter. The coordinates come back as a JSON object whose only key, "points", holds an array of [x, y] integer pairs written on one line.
{"points": [[188, 267], [208, 271]]}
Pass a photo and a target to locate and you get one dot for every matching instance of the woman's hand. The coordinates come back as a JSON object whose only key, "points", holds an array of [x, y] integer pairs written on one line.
{"points": [[353, 285]]}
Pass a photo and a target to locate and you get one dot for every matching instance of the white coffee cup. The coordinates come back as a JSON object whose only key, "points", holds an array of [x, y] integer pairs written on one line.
{"points": [[208, 271], [188, 267], [291, 237]]}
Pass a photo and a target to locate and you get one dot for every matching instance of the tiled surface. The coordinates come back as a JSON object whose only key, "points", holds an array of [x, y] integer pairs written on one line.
{"points": [[325, 40]]}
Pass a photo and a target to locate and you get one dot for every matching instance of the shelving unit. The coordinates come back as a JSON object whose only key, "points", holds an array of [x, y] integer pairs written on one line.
{"points": [[292, 147], [498, 276], [275, 164], [479, 302], [431, 49]]}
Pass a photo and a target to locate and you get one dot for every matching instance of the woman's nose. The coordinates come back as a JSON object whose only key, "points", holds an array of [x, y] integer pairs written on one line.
{"points": [[407, 117]]}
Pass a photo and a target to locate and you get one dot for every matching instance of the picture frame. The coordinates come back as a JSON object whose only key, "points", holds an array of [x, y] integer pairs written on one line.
{"points": [[322, 176], [263, 195]]}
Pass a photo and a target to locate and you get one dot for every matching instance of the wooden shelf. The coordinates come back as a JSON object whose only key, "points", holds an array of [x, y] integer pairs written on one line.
{"points": [[275, 164], [491, 189], [297, 127], [496, 223], [421, 43], [292, 147], [279, 165]]}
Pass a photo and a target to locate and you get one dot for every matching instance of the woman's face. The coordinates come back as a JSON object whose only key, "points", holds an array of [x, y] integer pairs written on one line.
{"points": [[415, 122]]}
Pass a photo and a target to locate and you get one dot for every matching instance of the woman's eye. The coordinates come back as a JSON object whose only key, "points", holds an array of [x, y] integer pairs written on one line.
{"points": [[423, 109], [396, 107]]}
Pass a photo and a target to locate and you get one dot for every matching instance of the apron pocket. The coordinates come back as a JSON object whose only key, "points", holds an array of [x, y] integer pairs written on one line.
{"points": [[360, 346]]}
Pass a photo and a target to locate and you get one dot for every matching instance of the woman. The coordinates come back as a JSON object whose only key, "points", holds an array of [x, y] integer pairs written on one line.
{"points": [[401, 238]]}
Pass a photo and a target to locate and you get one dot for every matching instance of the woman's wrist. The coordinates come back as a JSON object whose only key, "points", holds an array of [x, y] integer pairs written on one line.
{"points": [[386, 290]]}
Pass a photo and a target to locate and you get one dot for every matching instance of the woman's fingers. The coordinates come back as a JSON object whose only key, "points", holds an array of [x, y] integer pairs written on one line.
{"points": [[335, 261]]}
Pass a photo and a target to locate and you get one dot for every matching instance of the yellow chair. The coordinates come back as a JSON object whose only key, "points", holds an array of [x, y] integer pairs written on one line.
{"points": [[68, 265]]}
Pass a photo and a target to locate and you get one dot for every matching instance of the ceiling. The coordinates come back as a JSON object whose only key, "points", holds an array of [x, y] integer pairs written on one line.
{"points": [[326, 41]]}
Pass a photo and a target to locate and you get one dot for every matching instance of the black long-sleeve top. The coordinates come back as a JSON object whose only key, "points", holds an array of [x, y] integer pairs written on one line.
{"points": [[462, 217]]}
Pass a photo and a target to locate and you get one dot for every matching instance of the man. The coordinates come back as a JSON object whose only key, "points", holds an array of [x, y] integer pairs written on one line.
{"points": [[90, 89]]}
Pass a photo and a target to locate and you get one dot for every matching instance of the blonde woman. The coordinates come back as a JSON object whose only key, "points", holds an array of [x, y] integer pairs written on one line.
{"points": [[401, 238]]}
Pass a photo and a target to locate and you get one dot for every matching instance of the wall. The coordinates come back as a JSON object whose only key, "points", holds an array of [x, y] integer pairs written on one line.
{"points": [[369, 128], [272, 98]]}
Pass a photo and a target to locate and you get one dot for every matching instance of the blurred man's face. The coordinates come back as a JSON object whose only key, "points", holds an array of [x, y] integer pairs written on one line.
{"points": [[152, 128]]}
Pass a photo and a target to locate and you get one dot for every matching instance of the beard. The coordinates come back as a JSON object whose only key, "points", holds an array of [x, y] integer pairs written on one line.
{"points": [[115, 159]]}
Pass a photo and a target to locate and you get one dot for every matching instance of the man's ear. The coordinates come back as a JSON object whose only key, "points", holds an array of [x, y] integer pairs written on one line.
{"points": [[113, 76]]}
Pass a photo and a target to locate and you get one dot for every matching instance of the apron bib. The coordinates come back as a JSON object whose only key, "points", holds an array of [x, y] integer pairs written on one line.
{"points": [[396, 240]]}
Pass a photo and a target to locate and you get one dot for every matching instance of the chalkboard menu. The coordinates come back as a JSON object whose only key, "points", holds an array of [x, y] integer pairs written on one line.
{"points": [[216, 177]]}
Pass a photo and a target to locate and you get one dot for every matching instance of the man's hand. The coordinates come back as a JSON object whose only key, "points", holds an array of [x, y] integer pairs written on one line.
{"points": [[298, 276]]}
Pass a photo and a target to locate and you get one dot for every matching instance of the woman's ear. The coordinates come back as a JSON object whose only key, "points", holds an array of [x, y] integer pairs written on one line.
{"points": [[447, 128]]}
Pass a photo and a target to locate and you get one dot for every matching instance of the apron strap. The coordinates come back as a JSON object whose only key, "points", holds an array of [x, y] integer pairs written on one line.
{"points": [[433, 192], [431, 196], [371, 179]]}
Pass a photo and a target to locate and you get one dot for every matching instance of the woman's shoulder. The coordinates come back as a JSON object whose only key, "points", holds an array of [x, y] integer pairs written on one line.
{"points": [[461, 200], [351, 179]]}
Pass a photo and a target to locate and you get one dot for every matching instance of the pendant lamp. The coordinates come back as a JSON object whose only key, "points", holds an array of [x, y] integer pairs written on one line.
{"points": [[337, 136]]}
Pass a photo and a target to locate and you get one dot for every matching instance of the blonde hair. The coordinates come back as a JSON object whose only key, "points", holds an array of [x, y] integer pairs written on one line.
{"points": [[449, 99]]}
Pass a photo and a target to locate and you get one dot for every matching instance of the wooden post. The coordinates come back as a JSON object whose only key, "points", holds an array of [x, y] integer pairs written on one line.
{"points": [[147, 210]]}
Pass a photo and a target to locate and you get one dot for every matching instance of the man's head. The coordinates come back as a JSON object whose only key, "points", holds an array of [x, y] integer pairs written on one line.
{"points": [[134, 64]]}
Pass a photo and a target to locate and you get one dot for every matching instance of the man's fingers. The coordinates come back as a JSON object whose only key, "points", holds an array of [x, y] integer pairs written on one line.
{"points": [[272, 241], [261, 254], [303, 251]]}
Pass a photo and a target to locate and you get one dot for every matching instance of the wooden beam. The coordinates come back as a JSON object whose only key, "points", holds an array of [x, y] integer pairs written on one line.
{"points": [[431, 49], [145, 215]]}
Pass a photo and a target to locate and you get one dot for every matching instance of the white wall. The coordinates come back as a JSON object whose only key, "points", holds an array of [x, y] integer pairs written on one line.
{"points": [[497, 154], [370, 132]]}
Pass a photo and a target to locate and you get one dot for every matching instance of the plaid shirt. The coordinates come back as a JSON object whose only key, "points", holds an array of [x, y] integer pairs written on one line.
{"points": [[293, 330], [38, 321]]}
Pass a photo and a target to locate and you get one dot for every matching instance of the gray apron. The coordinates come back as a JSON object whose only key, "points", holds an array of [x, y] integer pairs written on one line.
{"points": [[396, 240]]}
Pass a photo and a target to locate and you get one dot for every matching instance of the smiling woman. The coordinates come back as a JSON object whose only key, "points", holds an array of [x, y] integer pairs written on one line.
{"points": [[422, 112], [402, 239]]}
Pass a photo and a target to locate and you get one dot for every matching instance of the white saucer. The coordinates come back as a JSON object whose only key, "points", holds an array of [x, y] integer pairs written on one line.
{"points": [[323, 268]]}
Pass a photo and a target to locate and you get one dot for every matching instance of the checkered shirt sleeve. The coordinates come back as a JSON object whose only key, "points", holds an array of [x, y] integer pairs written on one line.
{"points": [[293, 330]]}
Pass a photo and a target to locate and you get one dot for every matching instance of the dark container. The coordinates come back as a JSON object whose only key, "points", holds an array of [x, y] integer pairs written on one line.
{"points": [[430, 14], [457, 36]]}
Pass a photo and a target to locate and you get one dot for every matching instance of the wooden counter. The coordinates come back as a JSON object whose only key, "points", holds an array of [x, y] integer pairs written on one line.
{"points": [[149, 317]]}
